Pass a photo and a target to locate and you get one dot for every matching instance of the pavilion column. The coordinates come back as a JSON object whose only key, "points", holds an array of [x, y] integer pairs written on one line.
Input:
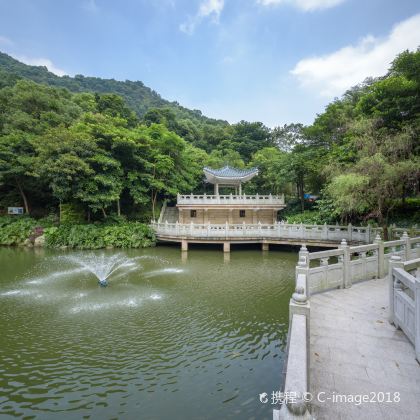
{"points": [[181, 216], [274, 217], [216, 189], [206, 216], [240, 188]]}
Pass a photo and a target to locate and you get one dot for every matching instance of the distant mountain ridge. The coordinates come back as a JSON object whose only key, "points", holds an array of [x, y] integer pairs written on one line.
{"points": [[139, 97]]}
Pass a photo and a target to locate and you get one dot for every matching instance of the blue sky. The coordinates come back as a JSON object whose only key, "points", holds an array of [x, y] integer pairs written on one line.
{"points": [[275, 61]]}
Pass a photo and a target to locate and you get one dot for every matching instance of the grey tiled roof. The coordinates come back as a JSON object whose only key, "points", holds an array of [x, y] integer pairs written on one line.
{"points": [[228, 172]]}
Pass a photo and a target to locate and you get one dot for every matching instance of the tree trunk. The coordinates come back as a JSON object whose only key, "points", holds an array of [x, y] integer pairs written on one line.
{"points": [[23, 195], [104, 213], [301, 193], [118, 207], [154, 197]]}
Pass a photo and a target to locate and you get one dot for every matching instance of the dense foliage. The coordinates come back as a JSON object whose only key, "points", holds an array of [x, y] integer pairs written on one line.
{"points": [[115, 233], [15, 231], [87, 148], [94, 236]]}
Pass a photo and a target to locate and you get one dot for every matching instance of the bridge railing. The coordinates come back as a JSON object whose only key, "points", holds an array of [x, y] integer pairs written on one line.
{"points": [[341, 267], [298, 357], [404, 298], [320, 271], [279, 230], [230, 199]]}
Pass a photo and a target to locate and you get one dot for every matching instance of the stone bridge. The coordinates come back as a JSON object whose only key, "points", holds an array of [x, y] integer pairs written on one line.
{"points": [[354, 350], [265, 234]]}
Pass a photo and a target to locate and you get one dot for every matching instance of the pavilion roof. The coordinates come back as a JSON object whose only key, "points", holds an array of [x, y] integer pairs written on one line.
{"points": [[229, 175]]}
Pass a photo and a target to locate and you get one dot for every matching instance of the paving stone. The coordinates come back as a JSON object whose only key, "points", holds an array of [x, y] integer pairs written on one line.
{"points": [[355, 350]]}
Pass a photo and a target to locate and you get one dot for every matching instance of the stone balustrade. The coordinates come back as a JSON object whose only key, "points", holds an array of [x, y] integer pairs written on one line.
{"points": [[230, 199], [324, 270], [297, 368], [279, 230], [404, 298], [348, 264]]}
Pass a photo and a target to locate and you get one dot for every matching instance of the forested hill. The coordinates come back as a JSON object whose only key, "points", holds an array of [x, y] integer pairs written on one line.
{"points": [[139, 97]]}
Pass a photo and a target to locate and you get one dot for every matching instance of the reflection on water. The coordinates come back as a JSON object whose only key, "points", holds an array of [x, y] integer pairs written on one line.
{"points": [[176, 336]]}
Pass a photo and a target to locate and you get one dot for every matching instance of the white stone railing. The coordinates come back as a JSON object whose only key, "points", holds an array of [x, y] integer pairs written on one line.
{"points": [[341, 267], [231, 199], [296, 383], [350, 264], [404, 298], [280, 230], [396, 232]]}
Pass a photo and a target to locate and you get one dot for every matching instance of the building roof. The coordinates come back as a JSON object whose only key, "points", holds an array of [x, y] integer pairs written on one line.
{"points": [[229, 175]]}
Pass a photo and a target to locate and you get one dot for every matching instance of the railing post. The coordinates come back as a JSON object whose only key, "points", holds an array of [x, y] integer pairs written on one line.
{"points": [[346, 264], [368, 234], [303, 267], [407, 246], [349, 232], [226, 229], [381, 256], [389, 233], [394, 262], [324, 234], [191, 228]]}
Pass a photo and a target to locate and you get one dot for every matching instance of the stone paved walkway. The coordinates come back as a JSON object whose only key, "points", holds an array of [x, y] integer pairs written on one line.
{"points": [[354, 350]]}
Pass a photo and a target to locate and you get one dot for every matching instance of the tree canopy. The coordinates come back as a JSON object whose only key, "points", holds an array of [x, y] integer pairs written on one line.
{"points": [[118, 147]]}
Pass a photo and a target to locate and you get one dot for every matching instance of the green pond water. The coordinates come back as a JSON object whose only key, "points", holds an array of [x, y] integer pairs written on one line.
{"points": [[171, 337]]}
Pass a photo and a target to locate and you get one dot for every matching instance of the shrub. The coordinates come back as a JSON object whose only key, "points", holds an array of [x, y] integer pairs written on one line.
{"points": [[15, 230], [307, 217], [96, 236]]}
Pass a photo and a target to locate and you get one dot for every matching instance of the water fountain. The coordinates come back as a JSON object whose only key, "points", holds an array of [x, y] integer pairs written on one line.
{"points": [[68, 279], [103, 266]]}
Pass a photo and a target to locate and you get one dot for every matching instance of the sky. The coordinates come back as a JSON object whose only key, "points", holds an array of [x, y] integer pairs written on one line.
{"points": [[275, 61]]}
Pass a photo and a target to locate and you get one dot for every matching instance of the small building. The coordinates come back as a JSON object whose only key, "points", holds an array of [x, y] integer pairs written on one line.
{"points": [[233, 208]]}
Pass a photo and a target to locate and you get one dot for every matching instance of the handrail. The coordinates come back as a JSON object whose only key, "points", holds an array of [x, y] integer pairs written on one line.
{"points": [[342, 274], [278, 225], [404, 299], [229, 199], [405, 278], [280, 230]]}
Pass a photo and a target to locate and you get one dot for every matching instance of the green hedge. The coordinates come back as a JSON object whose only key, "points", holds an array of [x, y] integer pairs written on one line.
{"points": [[96, 236]]}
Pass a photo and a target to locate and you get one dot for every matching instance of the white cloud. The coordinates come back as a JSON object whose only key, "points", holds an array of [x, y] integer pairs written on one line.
{"points": [[305, 5], [207, 9], [41, 62], [331, 75]]}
